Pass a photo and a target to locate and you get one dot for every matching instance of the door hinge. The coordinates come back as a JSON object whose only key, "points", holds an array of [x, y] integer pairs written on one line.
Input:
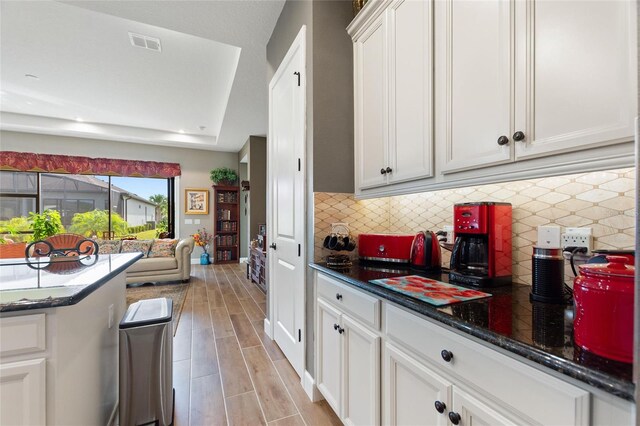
{"points": [[299, 250], [297, 74], [299, 335], [299, 164]]}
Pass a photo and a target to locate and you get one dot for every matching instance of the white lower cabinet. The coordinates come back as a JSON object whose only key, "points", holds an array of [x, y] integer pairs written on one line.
{"points": [[411, 391], [392, 366], [348, 366], [467, 410], [414, 393], [361, 374], [22, 386], [329, 349]]}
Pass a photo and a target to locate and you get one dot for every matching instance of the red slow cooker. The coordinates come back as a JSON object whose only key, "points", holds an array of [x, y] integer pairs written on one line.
{"points": [[604, 308]]}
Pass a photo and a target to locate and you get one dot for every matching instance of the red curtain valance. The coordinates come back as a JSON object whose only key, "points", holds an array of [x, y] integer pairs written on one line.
{"points": [[30, 162]]}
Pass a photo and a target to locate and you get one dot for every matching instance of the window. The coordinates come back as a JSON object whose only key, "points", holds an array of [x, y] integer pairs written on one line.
{"points": [[18, 197], [90, 205]]}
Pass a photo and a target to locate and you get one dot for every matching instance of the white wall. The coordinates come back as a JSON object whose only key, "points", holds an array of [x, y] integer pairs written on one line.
{"points": [[195, 164]]}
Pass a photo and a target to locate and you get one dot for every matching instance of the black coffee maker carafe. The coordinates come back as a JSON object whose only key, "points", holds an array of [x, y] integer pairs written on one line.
{"points": [[481, 254]]}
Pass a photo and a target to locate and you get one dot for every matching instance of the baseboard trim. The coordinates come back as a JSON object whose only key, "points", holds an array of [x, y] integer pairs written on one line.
{"points": [[310, 388], [267, 328], [112, 417]]}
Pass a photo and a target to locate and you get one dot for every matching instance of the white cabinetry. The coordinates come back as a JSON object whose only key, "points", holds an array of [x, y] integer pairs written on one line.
{"points": [[22, 386], [23, 370], [347, 356], [393, 94], [486, 385], [519, 90], [59, 366], [529, 79], [411, 390], [377, 363], [476, 74], [328, 349]]}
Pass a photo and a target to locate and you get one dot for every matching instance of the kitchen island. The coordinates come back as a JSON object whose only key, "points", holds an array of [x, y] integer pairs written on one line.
{"points": [[501, 359], [59, 338]]}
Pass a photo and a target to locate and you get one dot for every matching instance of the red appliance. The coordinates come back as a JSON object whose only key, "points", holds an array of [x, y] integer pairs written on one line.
{"points": [[385, 247], [425, 251], [481, 254], [603, 295]]}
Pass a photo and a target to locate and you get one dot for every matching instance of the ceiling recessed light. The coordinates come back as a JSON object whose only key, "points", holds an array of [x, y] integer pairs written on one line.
{"points": [[35, 77], [79, 119], [180, 131]]}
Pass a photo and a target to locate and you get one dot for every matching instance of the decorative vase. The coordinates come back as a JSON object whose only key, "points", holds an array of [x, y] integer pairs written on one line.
{"points": [[204, 258]]}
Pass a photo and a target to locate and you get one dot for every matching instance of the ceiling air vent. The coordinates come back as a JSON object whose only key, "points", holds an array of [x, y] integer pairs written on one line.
{"points": [[145, 42]]}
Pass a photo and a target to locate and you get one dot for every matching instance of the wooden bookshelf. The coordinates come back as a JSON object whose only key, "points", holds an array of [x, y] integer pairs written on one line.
{"points": [[226, 224]]}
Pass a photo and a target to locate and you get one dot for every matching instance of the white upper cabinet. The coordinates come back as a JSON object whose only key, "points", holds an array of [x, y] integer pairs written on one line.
{"points": [[450, 93], [533, 78], [371, 99], [575, 75], [476, 76], [410, 95], [393, 82]]}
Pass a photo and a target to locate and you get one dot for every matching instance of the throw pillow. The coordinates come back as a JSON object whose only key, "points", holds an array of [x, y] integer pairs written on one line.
{"points": [[108, 246], [163, 248], [132, 246]]}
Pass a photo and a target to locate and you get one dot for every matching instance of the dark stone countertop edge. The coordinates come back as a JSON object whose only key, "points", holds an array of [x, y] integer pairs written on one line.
{"points": [[607, 383], [56, 302]]}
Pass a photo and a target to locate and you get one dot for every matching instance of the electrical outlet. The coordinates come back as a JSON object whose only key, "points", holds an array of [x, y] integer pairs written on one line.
{"points": [[449, 230], [548, 236], [577, 237]]}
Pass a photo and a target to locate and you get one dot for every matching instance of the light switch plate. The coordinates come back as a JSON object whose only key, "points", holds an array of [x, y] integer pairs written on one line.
{"points": [[548, 236], [196, 221], [188, 221]]}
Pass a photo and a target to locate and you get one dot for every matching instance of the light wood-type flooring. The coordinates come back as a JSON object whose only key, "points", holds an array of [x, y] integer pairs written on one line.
{"points": [[226, 370]]}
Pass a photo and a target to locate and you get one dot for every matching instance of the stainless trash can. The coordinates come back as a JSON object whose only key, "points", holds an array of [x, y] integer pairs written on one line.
{"points": [[146, 363]]}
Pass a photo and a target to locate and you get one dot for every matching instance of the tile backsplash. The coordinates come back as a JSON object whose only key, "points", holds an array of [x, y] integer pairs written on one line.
{"points": [[604, 201]]}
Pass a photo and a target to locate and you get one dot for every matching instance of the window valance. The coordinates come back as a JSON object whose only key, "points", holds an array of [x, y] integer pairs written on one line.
{"points": [[30, 162]]}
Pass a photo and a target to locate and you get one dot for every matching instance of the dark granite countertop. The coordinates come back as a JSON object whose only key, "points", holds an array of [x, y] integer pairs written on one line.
{"points": [[49, 283], [540, 332]]}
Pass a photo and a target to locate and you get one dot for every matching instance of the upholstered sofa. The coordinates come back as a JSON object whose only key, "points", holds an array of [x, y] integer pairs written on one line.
{"points": [[167, 264]]}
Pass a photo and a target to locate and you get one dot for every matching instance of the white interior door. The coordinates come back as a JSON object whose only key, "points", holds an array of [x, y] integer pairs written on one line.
{"points": [[286, 215]]}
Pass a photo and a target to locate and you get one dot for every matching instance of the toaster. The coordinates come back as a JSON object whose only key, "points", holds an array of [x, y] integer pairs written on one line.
{"points": [[385, 247]]}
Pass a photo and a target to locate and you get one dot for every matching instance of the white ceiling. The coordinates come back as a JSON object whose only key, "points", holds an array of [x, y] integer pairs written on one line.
{"points": [[211, 71]]}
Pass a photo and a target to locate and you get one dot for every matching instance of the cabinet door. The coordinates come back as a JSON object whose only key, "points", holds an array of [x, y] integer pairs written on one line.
{"points": [[477, 413], [328, 353], [410, 391], [475, 52], [22, 392], [361, 374], [576, 74], [410, 90], [371, 110]]}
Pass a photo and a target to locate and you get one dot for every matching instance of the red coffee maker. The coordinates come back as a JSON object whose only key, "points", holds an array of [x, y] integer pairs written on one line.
{"points": [[481, 255]]}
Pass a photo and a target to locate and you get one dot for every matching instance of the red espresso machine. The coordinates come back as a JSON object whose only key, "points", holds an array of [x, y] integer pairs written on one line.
{"points": [[481, 255]]}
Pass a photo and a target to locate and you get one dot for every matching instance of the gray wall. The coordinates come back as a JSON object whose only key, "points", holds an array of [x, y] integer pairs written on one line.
{"points": [[258, 179], [332, 97], [329, 147], [243, 173], [255, 149], [195, 164], [329, 86]]}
